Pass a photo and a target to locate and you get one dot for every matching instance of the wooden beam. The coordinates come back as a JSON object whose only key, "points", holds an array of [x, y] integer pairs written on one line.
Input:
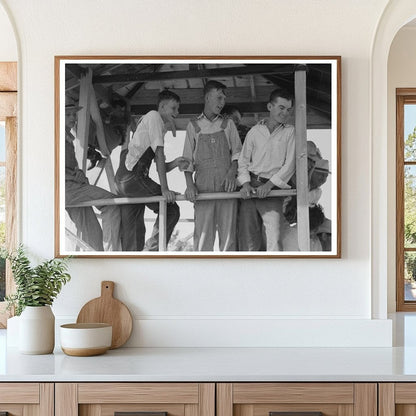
{"points": [[302, 185], [163, 210], [75, 70], [8, 105], [196, 95], [315, 121], [252, 69], [136, 88], [8, 76], [83, 124], [245, 107], [311, 88], [312, 94], [74, 82]]}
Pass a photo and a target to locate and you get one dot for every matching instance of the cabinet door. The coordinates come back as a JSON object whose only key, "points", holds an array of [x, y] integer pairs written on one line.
{"points": [[141, 399], [297, 399], [26, 399], [397, 399]]}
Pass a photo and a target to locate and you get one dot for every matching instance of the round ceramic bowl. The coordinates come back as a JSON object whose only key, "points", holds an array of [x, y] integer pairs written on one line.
{"points": [[83, 340]]}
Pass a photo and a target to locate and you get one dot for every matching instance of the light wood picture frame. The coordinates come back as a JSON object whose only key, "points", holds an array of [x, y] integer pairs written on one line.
{"points": [[259, 139]]}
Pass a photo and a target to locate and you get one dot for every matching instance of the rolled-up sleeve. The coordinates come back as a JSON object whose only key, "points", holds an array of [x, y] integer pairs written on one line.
{"points": [[245, 159], [234, 140], [189, 146], [281, 178], [156, 130]]}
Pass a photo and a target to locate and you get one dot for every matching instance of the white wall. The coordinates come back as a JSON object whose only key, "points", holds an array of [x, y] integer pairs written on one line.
{"points": [[8, 46], [401, 74], [203, 302]]}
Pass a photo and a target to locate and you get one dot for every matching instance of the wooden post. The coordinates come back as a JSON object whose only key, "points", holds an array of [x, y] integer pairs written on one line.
{"points": [[302, 185], [83, 123], [163, 210]]}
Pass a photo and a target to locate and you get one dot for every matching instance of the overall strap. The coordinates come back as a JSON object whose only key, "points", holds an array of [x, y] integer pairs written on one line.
{"points": [[196, 125], [224, 124]]}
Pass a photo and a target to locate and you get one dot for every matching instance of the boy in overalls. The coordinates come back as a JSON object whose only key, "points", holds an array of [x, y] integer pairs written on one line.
{"points": [[213, 146]]}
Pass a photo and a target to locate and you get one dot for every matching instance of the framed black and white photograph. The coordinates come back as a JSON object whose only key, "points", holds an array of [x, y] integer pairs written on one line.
{"points": [[198, 156]]}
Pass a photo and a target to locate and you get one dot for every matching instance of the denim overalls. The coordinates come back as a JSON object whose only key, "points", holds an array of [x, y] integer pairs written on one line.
{"points": [[212, 159], [136, 183]]}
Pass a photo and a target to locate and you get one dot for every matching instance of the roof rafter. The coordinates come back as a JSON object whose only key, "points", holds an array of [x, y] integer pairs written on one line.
{"points": [[254, 69]]}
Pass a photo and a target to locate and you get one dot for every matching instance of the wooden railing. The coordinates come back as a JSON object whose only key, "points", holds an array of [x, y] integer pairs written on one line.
{"points": [[163, 205]]}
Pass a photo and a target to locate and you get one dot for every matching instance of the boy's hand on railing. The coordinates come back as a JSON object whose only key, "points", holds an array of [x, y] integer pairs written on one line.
{"points": [[169, 195], [264, 190], [230, 181], [182, 163], [191, 193], [247, 191]]}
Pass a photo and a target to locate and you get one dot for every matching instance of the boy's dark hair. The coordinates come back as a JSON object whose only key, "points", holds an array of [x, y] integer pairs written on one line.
{"points": [[213, 85], [280, 92], [229, 110], [167, 95]]}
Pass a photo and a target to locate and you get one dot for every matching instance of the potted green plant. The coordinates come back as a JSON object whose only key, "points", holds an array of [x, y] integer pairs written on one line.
{"points": [[36, 289]]}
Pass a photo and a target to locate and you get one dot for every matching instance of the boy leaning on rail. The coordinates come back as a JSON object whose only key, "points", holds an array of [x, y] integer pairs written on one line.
{"points": [[132, 177], [267, 162], [213, 146]]}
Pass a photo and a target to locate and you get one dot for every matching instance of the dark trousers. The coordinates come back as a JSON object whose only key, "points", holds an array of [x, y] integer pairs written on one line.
{"points": [[132, 216]]}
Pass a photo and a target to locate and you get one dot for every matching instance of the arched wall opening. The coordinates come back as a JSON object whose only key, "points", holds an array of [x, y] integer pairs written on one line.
{"points": [[396, 15]]}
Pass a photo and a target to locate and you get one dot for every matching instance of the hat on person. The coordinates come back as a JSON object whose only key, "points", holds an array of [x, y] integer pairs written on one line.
{"points": [[313, 151], [322, 165], [73, 107]]}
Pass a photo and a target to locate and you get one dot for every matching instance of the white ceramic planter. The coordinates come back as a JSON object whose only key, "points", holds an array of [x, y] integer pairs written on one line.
{"points": [[37, 330], [12, 334]]}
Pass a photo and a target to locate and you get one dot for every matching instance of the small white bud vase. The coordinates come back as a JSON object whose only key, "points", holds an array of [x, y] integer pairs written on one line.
{"points": [[37, 330]]}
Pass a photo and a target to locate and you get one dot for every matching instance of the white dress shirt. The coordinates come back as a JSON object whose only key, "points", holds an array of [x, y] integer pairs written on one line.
{"points": [[269, 155], [150, 132]]}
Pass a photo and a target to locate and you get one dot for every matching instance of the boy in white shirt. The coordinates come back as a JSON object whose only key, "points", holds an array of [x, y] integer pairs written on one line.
{"points": [[132, 177], [266, 162]]}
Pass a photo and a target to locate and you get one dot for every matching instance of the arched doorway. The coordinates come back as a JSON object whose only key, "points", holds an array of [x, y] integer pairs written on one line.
{"points": [[8, 150], [395, 16]]}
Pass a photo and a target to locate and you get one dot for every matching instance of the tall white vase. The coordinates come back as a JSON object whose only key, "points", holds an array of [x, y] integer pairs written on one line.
{"points": [[37, 330]]}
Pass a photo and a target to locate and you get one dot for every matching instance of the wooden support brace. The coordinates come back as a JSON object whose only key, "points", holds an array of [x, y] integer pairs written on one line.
{"points": [[302, 185], [163, 210], [83, 123], [102, 143]]}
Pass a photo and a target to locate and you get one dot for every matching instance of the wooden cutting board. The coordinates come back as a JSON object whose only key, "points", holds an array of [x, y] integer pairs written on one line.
{"points": [[108, 310]]}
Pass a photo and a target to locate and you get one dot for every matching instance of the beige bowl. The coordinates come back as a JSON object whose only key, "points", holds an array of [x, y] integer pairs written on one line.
{"points": [[83, 340]]}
